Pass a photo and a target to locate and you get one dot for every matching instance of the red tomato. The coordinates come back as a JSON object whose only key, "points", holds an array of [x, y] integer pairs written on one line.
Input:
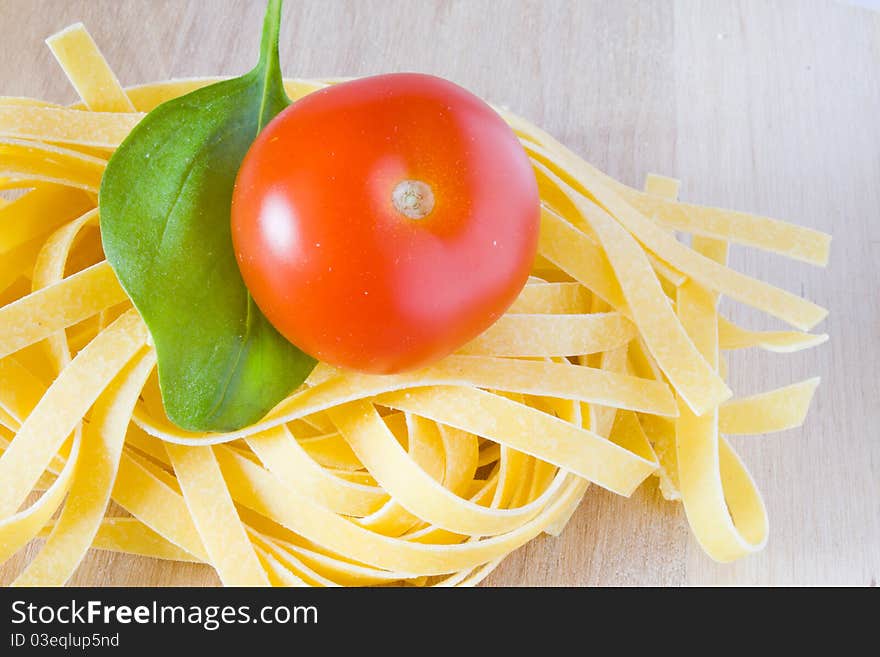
{"points": [[382, 223]]}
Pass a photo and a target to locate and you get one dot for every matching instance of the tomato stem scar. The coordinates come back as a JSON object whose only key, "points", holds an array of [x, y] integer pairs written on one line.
{"points": [[413, 199]]}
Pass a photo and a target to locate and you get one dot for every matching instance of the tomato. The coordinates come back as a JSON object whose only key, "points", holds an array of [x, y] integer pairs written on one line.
{"points": [[382, 223]]}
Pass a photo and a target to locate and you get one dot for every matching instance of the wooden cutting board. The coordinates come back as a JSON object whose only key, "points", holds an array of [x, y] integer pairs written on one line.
{"points": [[770, 107]]}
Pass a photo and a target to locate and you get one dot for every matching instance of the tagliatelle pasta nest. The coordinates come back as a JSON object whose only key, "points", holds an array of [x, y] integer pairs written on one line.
{"points": [[607, 370]]}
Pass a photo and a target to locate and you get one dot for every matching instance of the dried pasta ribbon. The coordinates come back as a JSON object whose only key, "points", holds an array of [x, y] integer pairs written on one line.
{"points": [[37, 213], [552, 335], [55, 417], [414, 488], [21, 101], [130, 536], [659, 432], [552, 298], [261, 493], [207, 498], [799, 312], [67, 126], [58, 306], [148, 496], [518, 426], [88, 71], [49, 269], [283, 455], [550, 379], [732, 336], [775, 410], [63, 406], [50, 164], [723, 505], [18, 263], [797, 242], [790, 240], [17, 528], [461, 451], [96, 468], [575, 253], [687, 370]]}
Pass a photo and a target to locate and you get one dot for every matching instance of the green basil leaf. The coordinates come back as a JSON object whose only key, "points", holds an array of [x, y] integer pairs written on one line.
{"points": [[165, 222]]}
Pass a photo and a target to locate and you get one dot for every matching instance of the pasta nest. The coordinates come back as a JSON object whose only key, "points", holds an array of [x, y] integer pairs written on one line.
{"points": [[607, 370]]}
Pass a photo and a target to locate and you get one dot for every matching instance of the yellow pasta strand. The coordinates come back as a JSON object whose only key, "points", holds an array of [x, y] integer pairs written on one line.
{"points": [[154, 502], [131, 536], [546, 379], [662, 332], [21, 101], [265, 496], [527, 430], [728, 521], [67, 126], [772, 235], [552, 335], [39, 212], [18, 263], [63, 406], [291, 463], [58, 306], [732, 336], [662, 187], [49, 270], [779, 303], [552, 298], [776, 410], [415, 489], [208, 500], [17, 528], [88, 71], [50, 164], [93, 479]]}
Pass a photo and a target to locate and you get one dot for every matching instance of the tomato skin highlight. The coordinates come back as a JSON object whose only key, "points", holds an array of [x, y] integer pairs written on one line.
{"points": [[341, 271]]}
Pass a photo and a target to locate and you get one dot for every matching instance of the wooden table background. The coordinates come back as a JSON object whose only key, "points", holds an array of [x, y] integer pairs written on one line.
{"points": [[771, 107]]}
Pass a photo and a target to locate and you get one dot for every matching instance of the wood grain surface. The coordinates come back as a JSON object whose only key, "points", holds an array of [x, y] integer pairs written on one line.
{"points": [[771, 107]]}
